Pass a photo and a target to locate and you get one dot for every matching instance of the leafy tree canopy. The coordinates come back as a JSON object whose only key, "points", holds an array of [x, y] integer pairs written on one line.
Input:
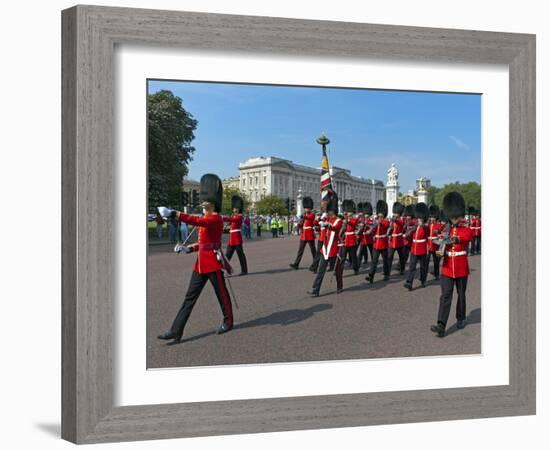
{"points": [[170, 133], [271, 204], [470, 191], [227, 194]]}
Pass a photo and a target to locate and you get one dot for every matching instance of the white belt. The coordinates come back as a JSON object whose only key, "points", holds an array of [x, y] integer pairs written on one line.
{"points": [[431, 238], [457, 253], [350, 232], [235, 231], [380, 236], [475, 228], [306, 228], [397, 235], [419, 241]]}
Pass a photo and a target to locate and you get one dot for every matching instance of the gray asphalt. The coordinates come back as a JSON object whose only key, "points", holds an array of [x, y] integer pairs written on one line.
{"points": [[278, 322]]}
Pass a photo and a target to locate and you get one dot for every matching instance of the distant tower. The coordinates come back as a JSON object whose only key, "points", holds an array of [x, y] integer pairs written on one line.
{"points": [[299, 205], [422, 185], [392, 187]]}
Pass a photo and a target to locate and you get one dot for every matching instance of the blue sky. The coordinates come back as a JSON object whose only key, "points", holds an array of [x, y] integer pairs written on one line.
{"points": [[436, 135]]}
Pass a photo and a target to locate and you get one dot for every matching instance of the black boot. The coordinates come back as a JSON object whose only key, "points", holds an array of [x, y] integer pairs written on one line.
{"points": [[313, 293], [294, 266], [224, 328], [167, 335], [370, 278], [408, 285], [461, 324], [439, 329]]}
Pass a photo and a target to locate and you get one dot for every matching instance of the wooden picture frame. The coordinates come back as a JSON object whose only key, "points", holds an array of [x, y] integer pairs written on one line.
{"points": [[90, 34]]}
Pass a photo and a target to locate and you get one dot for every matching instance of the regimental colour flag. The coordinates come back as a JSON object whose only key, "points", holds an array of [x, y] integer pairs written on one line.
{"points": [[326, 179]]}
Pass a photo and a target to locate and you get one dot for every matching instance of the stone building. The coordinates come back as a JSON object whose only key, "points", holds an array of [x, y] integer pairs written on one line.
{"points": [[263, 176]]}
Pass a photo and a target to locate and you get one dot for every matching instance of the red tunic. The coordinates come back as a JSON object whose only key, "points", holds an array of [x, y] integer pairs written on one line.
{"points": [[455, 260], [419, 245], [307, 228], [433, 228], [380, 239], [235, 235], [349, 240], [475, 226], [396, 236], [368, 236], [209, 243], [330, 243], [406, 224]]}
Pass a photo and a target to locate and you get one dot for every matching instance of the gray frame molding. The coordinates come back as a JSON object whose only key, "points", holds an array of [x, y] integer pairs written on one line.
{"points": [[89, 36]]}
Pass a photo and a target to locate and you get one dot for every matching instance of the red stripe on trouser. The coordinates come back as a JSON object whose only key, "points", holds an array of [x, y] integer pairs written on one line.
{"points": [[225, 297]]}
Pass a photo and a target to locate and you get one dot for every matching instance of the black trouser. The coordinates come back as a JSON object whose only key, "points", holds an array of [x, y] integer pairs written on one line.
{"points": [[258, 230], [475, 245], [406, 252], [375, 256], [338, 272], [274, 232], [401, 254], [446, 298], [240, 253], [363, 254], [436, 260], [318, 255], [196, 284], [301, 251], [352, 253], [423, 260]]}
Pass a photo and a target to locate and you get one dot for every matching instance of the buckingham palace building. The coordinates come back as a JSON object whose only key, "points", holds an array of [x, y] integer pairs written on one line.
{"points": [[263, 176]]}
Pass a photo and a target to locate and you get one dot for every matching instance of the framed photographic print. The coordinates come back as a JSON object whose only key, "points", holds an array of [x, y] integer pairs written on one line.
{"points": [[278, 224]]}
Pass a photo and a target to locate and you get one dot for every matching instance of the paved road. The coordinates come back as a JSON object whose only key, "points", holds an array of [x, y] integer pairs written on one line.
{"points": [[278, 322]]}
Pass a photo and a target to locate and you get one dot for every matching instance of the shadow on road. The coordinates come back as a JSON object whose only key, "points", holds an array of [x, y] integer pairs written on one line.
{"points": [[288, 317], [473, 317], [270, 272]]}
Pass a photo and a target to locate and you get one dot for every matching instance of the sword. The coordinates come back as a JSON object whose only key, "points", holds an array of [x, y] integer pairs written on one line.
{"points": [[231, 293]]}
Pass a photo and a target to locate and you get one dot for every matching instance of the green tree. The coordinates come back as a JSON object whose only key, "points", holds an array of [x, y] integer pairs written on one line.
{"points": [[470, 191], [170, 133], [271, 204], [432, 194], [227, 194]]}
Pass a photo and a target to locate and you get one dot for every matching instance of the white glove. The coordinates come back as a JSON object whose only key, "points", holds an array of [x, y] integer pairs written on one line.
{"points": [[164, 211]]}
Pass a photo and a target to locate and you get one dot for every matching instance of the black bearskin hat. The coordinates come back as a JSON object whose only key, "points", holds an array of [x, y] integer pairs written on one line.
{"points": [[409, 210], [333, 204], [348, 206], [454, 205], [211, 190], [367, 208], [471, 211], [307, 202], [360, 207], [421, 211], [237, 202], [398, 208], [434, 210], [382, 208]]}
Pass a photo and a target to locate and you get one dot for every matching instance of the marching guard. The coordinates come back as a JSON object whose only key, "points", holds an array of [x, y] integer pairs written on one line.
{"points": [[210, 263], [396, 237], [380, 241], [454, 269], [365, 243], [434, 230], [475, 226], [329, 250], [320, 231], [419, 246], [307, 236], [235, 234], [408, 224], [350, 242]]}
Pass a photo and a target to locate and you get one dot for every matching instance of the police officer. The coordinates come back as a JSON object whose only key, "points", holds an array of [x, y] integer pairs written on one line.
{"points": [[235, 234], [307, 236], [454, 269], [329, 250], [419, 246], [210, 262]]}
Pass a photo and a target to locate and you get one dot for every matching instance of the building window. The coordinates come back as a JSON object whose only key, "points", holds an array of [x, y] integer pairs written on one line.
{"points": [[265, 180]]}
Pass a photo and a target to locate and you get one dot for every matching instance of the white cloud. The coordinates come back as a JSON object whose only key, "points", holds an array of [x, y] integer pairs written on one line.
{"points": [[459, 143]]}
